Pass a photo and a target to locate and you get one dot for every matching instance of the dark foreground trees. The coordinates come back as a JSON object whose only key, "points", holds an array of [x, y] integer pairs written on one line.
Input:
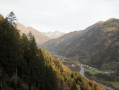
{"points": [[25, 67], [20, 61]]}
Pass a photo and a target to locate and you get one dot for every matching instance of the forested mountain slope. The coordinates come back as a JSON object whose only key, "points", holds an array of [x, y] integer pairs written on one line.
{"points": [[57, 44], [25, 67], [98, 45]]}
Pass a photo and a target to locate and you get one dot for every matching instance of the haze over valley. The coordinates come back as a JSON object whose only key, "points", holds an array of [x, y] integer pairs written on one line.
{"points": [[59, 45]]}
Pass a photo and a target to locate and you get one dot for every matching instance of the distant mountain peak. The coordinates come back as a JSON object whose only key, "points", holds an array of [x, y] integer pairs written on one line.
{"points": [[99, 22], [110, 19], [97, 45], [55, 34], [39, 36]]}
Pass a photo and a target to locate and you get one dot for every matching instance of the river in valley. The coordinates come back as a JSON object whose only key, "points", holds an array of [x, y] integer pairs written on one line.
{"points": [[82, 71]]}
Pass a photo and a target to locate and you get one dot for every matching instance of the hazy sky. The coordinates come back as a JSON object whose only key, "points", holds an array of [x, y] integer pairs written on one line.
{"points": [[60, 15]]}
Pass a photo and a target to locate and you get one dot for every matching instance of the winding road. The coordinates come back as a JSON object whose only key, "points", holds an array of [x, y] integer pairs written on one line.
{"points": [[82, 71]]}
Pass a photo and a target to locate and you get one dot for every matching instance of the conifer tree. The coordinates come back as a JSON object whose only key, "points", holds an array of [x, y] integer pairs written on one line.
{"points": [[11, 18]]}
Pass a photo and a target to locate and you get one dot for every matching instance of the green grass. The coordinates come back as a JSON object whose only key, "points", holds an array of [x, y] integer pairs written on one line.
{"points": [[63, 61], [67, 62], [55, 55], [91, 71], [71, 62], [74, 62], [102, 71], [115, 84]]}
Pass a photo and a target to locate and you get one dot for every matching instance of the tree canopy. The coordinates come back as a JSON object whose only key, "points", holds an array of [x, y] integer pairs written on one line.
{"points": [[23, 66]]}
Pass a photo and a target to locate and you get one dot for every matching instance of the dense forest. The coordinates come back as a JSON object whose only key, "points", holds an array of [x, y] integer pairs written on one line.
{"points": [[97, 45], [23, 66]]}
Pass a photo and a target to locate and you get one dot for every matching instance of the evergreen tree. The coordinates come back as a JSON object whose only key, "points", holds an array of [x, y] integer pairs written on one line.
{"points": [[25, 67], [11, 18]]}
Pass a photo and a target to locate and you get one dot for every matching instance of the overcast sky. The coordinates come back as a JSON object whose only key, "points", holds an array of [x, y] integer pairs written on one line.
{"points": [[60, 15]]}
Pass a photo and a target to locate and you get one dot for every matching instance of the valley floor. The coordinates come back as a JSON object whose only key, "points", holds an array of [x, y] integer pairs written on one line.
{"points": [[89, 72]]}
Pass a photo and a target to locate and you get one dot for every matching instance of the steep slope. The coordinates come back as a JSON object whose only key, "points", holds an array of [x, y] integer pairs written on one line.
{"points": [[39, 36], [55, 45], [97, 46], [53, 35], [23, 66]]}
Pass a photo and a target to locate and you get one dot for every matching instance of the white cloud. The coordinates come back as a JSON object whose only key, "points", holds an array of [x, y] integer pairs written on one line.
{"points": [[62, 15]]}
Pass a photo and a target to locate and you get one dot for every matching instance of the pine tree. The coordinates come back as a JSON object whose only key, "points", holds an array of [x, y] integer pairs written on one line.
{"points": [[11, 18]]}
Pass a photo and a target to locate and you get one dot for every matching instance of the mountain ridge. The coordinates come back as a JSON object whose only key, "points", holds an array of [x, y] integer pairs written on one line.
{"points": [[39, 36], [24, 66], [91, 45], [55, 34]]}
